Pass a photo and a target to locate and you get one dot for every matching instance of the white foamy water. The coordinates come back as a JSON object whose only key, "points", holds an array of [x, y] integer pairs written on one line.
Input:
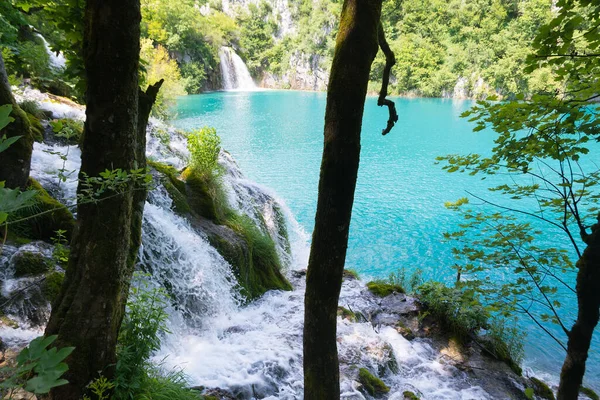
{"points": [[254, 350]]}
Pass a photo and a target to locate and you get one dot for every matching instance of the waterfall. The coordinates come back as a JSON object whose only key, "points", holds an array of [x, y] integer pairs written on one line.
{"points": [[253, 351], [234, 72], [57, 60]]}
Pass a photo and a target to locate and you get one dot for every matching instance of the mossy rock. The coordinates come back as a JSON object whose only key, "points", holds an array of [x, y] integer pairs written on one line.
{"points": [[37, 130], [6, 321], [541, 389], [173, 185], [43, 218], [350, 274], [52, 284], [28, 263], [206, 195], [252, 255], [589, 393], [346, 314], [372, 384], [408, 395], [383, 289]]}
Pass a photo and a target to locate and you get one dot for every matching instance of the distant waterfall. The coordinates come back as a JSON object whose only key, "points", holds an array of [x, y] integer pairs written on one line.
{"points": [[234, 72], [57, 60]]}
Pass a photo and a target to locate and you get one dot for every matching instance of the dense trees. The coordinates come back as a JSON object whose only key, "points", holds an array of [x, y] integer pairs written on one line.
{"points": [[358, 39], [88, 312]]}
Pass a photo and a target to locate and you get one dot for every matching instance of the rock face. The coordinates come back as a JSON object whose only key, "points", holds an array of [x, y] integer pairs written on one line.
{"points": [[306, 72]]}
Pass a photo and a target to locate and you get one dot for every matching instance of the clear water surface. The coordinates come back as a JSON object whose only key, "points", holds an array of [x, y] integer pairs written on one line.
{"points": [[399, 215]]}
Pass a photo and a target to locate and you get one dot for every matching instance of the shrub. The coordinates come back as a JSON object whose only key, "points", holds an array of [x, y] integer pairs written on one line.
{"points": [[32, 107], [68, 129], [204, 146], [456, 309], [142, 327]]}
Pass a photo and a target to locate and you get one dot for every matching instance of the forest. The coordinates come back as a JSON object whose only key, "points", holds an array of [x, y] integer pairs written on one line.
{"points": [[294, 199]]}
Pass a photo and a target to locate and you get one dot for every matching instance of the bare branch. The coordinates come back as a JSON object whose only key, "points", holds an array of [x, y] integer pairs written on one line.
{"points": [[390, 60]]}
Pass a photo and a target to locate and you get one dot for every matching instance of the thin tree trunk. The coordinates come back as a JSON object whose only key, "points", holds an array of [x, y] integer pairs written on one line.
{"points": [[580, 336], [356, 47], [89, 310], [15, 162]]}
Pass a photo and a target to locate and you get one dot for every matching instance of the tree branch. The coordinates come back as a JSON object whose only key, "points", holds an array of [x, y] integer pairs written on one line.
{"points": [[390, 60]]}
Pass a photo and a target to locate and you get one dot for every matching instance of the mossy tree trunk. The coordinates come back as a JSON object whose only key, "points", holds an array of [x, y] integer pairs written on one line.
{"points": [[588, 301], [89, 309], [15, 162], [356, 47]]}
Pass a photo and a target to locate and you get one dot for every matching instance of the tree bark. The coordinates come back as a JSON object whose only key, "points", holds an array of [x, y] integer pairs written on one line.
{"points": [[580, 335], [15, 162], [356, 47], [89, 309]]}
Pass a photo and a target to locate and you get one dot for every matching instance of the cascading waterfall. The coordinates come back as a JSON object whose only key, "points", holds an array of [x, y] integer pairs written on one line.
{"points": [[234, 72], [254, 350], [57, 60]]}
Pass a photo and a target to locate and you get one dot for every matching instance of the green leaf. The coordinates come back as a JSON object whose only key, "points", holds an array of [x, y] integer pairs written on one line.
{"points": [[5, 142], [5, 117]]}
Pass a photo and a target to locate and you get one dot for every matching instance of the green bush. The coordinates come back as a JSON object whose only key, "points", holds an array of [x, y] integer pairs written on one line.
{"points": [[68, 129], [142, 327], [204, 146], [461, 311], [458, 310]]}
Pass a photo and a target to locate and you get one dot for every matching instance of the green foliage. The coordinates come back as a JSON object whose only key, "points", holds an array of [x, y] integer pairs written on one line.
{"points": [[13, 200], [204, 146], [372, 384], [256, 35], [38, 368], [346, 314], [142, 327], [68, 129], [383, 288], [61, 253], [458, 310], [41, 216], [158, 65], [539, 144]]}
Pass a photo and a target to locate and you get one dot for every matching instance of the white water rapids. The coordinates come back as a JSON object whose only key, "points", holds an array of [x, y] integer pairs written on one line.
{"points": [[253, 351]]}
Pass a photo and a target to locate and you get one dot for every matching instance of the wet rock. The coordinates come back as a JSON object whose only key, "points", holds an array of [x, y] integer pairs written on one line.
{"points": [[29, 263]]}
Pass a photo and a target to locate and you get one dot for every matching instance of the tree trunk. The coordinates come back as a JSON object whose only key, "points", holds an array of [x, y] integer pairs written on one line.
{"points": [[356, 47], [16, 160], [588, 301], [89, 310]]}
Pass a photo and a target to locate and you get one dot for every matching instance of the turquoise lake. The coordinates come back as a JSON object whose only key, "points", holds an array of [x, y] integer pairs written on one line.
{"points": [[399, 215]]}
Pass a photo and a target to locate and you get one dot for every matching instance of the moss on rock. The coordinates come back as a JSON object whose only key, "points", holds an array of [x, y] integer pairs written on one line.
{"points": [[28, 263], [408, 395], [346, 314], [383, 289], [251, 253], [43, 218], [52, 284], [174, 186], [589, 393], [206, 195], [372, 384], [541, 389], [37, 130]]}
